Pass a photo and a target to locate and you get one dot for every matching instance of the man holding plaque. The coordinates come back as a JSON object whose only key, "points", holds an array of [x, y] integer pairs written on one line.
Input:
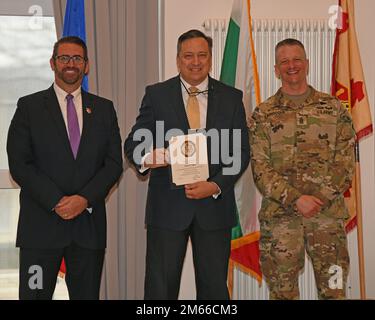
{"points": [[202, 121]]}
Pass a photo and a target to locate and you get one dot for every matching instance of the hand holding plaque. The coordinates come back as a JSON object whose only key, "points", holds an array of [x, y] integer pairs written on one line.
{"points": [[189, 160]]}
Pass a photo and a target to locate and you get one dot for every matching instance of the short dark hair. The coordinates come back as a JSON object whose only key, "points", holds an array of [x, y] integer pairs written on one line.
{"points": [[289, 42], [70, 39], [191, 34]]}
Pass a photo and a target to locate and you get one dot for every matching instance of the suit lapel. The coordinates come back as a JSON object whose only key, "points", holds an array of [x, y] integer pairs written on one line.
{"points": [[212, 103], [178, 104], [53, 107]]}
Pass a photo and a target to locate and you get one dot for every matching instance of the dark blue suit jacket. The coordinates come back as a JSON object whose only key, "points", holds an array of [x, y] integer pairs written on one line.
{"points": [[43, 165], [167, 206]]}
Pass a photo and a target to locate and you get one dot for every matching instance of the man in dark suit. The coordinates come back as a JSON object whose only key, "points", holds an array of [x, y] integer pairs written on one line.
{"points": [[64, 151], [202, 211]]}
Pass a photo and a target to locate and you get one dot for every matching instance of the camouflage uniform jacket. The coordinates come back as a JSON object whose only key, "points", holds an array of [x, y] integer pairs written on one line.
{"points": [[306, 149]]}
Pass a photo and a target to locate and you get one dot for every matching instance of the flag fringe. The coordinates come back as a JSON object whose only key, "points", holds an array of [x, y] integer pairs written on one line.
{"points": [[235, 244], [352, 223], [249, 238], [247, 270], [253, 57], [364, 132], [232, 265]]}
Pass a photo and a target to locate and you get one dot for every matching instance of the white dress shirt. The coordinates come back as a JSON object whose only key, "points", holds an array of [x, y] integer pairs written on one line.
{"points": [[202, 99]]}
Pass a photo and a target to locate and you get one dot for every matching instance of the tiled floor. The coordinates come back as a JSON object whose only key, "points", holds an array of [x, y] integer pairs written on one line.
{"points": [[9, 286]]}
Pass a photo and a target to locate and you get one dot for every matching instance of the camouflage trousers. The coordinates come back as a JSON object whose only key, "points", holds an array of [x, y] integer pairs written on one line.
{"points": [[284, 240]]}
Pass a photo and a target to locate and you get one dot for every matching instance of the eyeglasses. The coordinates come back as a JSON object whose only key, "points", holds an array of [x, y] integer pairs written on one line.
{"points": [[65, 59]]}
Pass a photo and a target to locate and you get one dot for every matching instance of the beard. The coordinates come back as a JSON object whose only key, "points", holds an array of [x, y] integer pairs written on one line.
{"points": [[70, 75]]}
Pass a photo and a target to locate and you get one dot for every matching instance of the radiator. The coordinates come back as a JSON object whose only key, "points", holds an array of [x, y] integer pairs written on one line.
{"points": [[318, 40]]}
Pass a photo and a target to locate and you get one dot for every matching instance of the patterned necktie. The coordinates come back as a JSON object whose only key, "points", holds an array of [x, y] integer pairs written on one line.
{"points": [[73, 125], [192, 109]]}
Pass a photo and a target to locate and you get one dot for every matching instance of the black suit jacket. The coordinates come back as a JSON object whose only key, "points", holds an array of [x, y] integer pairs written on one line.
{"points": [[167, 207], [42, 163]]}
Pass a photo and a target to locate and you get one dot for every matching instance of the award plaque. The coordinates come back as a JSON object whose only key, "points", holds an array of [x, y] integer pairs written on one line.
{"points": [[188, 156]]}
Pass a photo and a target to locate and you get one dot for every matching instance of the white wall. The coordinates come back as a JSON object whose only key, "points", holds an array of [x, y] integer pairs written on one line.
{"points": [[180, 15], [291, 9], [27, 7]]}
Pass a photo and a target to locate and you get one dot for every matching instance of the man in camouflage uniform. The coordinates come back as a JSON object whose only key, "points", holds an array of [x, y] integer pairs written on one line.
{"points": [[302, 161]]}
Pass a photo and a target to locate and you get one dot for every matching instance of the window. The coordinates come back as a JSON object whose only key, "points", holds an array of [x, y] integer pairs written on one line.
{"points": [[26, 44]]}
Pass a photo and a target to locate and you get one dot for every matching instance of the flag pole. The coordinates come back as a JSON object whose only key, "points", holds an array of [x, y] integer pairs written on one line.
{"points": [[361, 258]]}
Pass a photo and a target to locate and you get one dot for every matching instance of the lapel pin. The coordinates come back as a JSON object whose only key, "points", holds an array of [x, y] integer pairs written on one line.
{"points": [[88, 110]]}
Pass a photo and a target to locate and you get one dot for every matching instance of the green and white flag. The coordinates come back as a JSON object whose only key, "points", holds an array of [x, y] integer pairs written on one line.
{"points": [[239, 70]]}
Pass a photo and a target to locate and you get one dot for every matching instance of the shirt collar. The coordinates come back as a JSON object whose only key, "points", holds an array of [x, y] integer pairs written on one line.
{"points": [[201, 87], [282, 99], [62, 93]]}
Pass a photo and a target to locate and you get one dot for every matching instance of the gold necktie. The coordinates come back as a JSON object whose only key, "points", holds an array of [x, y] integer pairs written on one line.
{"points": [[192, 109]]}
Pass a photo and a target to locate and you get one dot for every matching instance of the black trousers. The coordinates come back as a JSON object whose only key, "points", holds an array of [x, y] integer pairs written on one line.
{"points": [[165, 256], [83, 272]]}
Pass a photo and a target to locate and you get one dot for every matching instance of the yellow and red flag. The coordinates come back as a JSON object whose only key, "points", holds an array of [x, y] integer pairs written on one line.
{"points": [[348, 85]]}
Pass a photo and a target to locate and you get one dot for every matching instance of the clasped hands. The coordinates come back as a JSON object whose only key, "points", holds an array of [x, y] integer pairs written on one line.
{"points": [[70, 207], [199, 190], [308, 206]]}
